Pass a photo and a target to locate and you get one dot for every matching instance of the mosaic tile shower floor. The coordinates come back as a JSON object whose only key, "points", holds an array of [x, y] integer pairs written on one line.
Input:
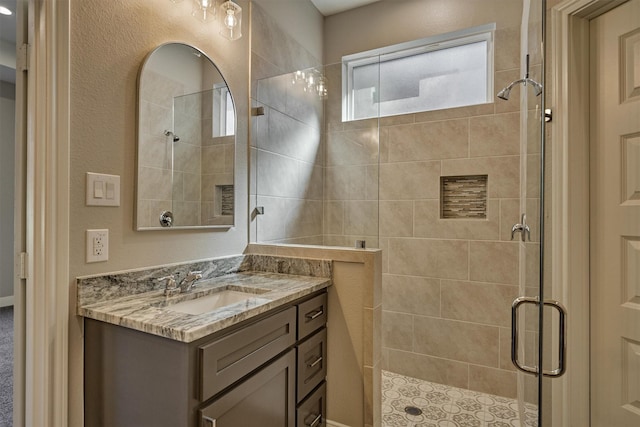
{"points": [[445, 406]]}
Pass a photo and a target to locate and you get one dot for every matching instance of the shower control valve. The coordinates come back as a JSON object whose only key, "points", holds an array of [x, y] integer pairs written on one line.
{"points": [[521, 228]]}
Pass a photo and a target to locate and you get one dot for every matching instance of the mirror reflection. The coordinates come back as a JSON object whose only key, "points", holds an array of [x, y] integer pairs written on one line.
{"points": [[186, 142]]}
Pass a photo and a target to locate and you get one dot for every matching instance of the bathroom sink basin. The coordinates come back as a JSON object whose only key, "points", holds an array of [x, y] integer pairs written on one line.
{"points": [[212, 302]]}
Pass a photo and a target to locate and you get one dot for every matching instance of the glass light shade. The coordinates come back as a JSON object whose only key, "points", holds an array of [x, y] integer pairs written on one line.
{"points": [[230, 18], [204, 10]]}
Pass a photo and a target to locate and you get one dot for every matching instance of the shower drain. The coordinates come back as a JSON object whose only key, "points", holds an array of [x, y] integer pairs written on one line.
{"points": [[412, 410]]}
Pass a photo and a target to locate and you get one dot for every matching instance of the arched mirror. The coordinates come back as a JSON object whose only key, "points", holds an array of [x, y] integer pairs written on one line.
{"points": [[186, 142]]}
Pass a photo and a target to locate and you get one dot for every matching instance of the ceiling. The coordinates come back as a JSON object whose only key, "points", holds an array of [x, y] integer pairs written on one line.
{"points": [[330, 7]]}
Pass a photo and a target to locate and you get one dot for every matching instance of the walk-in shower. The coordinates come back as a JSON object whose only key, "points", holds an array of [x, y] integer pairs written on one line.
{"points": [[438, 191]]}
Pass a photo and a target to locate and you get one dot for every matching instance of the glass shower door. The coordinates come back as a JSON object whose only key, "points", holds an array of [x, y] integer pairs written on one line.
{"points": [[538, 323]]}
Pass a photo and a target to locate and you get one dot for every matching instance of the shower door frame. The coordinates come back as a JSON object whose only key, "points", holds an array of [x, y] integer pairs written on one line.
{"points": [[570, 197]]}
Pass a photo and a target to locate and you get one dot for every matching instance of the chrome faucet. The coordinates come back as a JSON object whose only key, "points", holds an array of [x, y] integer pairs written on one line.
{"points": [[170, 287], [189, 282]]}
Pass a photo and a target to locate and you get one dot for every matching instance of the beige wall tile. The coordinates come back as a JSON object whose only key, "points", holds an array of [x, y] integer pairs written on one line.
{"points": [[154, 151], [361, 218], [533, 176], [427, 141], [303, 218], [492, 381], [495, 262], [455, 113], [409, 294], [333, 217], [384, 245], [430, 258], [429, 224], [507, 48], [191, 158], [461, 341], [352, 147], [277, 175], [509, 216], [156, 184], [397, 330], [270, 226], [532, 264], [427, 368], [497, 135], [396, 218], [401, 119], [345, 183], [413, 180], [505, 350], [503, 172], [478, 302]]}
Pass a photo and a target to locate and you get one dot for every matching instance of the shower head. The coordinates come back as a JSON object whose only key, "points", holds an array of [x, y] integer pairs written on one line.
{"points": [[506, 92], [173, 136]]}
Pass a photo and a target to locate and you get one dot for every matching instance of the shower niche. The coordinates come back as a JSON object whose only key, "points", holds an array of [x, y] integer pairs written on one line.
{"points": [[463, 197]]}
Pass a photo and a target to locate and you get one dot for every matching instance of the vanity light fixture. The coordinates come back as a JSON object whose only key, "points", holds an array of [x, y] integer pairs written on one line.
{"points": [[230, 18], [204, 9], [5, 11], [229, 15]]}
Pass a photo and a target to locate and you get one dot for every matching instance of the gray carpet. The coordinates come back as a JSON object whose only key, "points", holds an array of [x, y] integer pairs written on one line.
{"points": [[6, 366]]}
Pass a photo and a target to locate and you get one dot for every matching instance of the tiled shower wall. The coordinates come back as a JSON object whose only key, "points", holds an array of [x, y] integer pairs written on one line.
{"points": [[448, 284], [286, 142]]}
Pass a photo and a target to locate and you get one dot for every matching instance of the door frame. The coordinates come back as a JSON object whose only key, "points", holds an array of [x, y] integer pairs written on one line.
{"points": [[569, 241], [44, 213]]}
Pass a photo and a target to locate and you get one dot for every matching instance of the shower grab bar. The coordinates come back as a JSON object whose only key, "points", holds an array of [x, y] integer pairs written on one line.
{"points": [[562, 326]]}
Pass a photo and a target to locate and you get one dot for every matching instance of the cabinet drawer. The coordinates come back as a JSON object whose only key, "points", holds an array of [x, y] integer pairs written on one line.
{"points": [[312, 315], [312, 363], [226, 360], [265, 399], [311, 412]]}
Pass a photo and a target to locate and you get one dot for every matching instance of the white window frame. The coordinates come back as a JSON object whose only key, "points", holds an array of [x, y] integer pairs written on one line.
{"points": [[429, 44]]}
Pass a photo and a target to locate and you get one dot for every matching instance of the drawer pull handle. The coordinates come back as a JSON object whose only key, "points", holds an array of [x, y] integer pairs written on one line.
{"points": [[211, 421], [314, 314], [316, 421], [315, 362]]}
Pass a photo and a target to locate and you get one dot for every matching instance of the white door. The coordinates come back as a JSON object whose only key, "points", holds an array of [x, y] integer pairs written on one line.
{"points": [[615, 217]]}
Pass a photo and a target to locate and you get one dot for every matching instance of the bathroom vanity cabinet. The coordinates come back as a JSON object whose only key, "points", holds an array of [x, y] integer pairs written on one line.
{"points": [[268, 371]]}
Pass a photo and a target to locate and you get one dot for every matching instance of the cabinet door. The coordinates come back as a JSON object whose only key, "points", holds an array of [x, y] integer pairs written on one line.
{"points": [[266, 399]]}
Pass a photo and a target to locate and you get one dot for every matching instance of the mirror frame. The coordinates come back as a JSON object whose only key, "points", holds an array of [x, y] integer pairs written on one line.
{"points": [[161, 215]]}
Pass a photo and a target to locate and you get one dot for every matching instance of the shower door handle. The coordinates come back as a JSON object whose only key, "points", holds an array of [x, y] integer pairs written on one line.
{"points": [[562, 344]]}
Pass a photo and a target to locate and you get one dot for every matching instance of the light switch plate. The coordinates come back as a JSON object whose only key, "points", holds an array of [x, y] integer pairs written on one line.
{"points": [[103, 189], [97, 245]]}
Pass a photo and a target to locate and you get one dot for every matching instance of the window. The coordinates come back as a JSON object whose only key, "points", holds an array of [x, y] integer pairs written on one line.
{"points": [[445, 71], [224, 115]]}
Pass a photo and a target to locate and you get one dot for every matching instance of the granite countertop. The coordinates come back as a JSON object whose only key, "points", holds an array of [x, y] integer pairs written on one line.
{"points": [[150, 311]]}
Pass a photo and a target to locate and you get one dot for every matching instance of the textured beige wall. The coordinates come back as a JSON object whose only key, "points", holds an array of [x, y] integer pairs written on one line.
{"points": [[109, 41], [389, 22]]}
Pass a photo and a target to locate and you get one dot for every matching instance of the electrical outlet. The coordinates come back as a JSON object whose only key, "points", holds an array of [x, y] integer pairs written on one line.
{"points": [[97, 245]]}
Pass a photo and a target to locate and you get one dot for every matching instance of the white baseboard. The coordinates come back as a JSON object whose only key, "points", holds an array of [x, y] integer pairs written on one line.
{"points": [[335, 424], [6, 301]]}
